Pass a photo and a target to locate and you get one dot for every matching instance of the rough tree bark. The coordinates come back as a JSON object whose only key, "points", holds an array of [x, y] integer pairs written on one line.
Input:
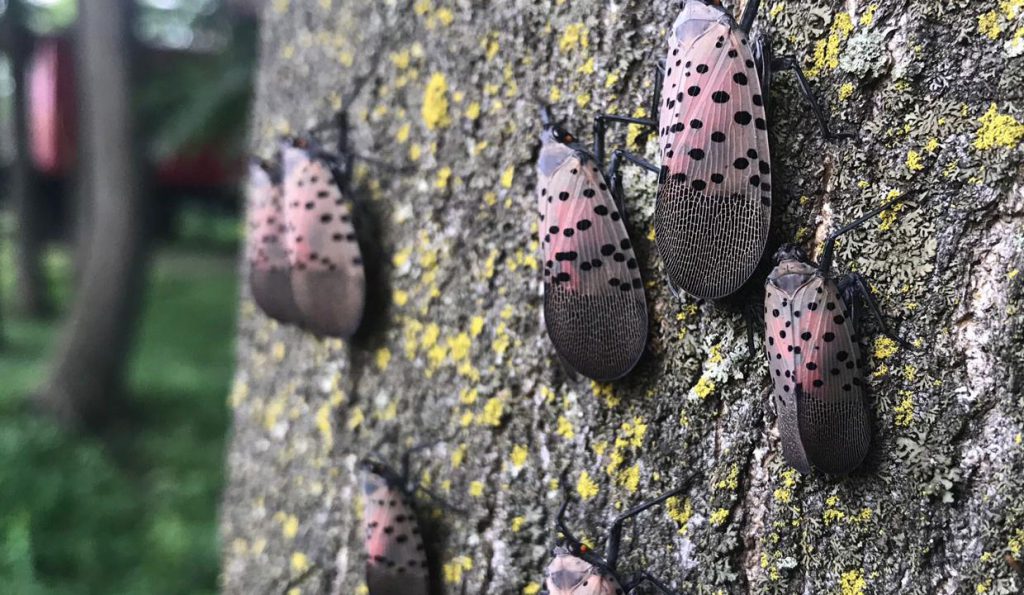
{"points": [[88, 363], [933, 89], [31, 292]]}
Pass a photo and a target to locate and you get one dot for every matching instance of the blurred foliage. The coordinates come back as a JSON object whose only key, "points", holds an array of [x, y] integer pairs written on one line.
{"points": [[135, 513], [201, 97], [198, 226]]}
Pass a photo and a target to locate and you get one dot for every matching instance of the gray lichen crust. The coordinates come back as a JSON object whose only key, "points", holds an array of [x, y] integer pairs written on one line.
{"points": [[933, 89]]}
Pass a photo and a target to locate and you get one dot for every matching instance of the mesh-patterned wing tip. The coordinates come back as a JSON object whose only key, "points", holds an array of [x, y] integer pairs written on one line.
{"points": [[600, 336], [272, 292], [332, 302]]}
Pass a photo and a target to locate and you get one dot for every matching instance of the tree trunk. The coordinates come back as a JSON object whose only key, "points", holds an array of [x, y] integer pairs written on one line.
{"points": [[31, 291], [87, 372], [932, 90]]}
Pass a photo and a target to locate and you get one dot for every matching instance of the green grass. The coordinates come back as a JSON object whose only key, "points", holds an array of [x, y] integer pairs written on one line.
{"points": [[135, 512]]}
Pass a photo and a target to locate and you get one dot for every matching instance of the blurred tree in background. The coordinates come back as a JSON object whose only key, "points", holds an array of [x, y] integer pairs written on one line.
{"points": [[129, 507]]}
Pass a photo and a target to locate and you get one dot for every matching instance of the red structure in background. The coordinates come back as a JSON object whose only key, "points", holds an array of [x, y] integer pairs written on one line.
{"points": [[52, 122]]}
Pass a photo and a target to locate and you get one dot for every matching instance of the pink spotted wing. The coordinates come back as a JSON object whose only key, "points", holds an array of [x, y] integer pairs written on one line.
{"points": [[594, 304], [816, 370], [269, 269], [327, 273], [396, 559], [714, 201]]}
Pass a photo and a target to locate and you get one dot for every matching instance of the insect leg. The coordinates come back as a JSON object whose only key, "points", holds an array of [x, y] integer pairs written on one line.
{"points": [[790, 63], [855, 283], [826, 253], [615, 530], [637, 579], [616, 179], [600, 122], [659, 81]]}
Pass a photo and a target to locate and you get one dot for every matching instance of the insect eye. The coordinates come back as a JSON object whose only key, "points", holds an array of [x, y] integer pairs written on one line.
{"points": [[583, 548], [569, 138]]}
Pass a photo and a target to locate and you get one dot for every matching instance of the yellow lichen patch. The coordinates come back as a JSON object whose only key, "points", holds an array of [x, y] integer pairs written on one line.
{"points": [[605, 392], [473, 110], [583, 100], [459, 455], [565, 429], [289, 525], [323, 424], [362, 589], [845, 91], [732, 481], [355, 419], [705, 386], [459, 346], [832, 514], [784, 494], [998, 130], [501, 341], [272, 413], [382, 358], [443, 175], [587, 67], [719, 517], [586, 487], [281, 6], [239, 392], [453, 570], [277, 351], [445, 16], [932, 145], [476, 489], [574, 36], [468, 396], [494, 408], [435, 102], [519, 455], [869, 15], [885, 348], [299, 562], [610, 79], [680, 512], [476, 326], [826, 51], [633, 131], [904, 411], [777, 9], [507, 176], [989, 25], [555, 95], [531, 588], [914, 161], [852, 583], [629, 478], [890, 215]]}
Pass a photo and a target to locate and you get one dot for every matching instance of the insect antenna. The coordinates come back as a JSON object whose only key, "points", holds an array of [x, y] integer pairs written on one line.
{"points": [[826, 254], [615, 530]]}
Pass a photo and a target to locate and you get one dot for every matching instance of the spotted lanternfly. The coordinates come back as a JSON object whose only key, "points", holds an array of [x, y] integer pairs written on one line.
{"points": [[714, 200], [396, 560], [269, 270], [595, 308], [577, 570], [327, 276], [814, 358]]}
